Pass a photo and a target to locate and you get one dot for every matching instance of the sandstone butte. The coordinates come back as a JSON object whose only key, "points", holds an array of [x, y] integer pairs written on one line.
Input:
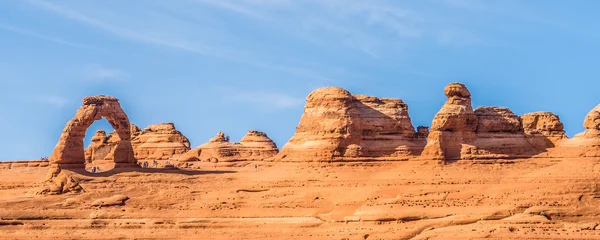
{"points": [[356, 168], [338, 126]]}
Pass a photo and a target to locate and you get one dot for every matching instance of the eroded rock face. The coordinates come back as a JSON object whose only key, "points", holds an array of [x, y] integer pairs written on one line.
{"points": [[585, 144], [497, 119], [386, 130], [156, 142], [499, 135], [69, 151], [337, 125], [255, 146], [453, 126], [160, 142], [544, 129], [101, 146], [329, 124], [546, 123], [592, 120]]}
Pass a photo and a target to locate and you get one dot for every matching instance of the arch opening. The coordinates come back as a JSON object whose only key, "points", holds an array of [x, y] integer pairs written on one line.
{"points": [[70, 151]]}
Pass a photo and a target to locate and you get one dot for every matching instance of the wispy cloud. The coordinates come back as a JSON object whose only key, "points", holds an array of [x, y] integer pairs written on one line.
{"points": [[44, 37], [270, 99], [101, 73], [118, 31], [195, 45], [53, 100]]}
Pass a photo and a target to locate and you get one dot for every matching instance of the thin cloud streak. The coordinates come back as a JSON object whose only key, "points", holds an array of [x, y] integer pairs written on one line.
{"points": [[44, 37], [178, 44]]}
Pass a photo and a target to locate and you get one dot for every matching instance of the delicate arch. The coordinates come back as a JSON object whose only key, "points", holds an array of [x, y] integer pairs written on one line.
{"points": [[69, 151]]}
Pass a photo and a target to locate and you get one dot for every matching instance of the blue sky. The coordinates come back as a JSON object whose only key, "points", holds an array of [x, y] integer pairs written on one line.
{"points": [[236, 65]]}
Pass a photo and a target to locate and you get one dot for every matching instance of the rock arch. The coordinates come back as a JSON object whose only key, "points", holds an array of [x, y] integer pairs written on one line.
{"points": [[69, 151]]}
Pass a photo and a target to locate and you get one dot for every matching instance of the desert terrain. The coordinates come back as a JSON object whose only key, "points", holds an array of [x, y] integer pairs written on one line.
{"points": [[516, 199], [356, 168]]}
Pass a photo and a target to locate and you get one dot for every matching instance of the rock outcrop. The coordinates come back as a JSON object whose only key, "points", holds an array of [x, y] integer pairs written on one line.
{"points": [[69, 152], [160, 142], [544, 129], [592, 123], [458, 132], [337, 125], [255, 146], [500, 135], [453, 127], [585, 144], [156, 142]]}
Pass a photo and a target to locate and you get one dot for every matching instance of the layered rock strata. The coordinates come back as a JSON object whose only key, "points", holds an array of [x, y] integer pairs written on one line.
{"points": [[156, 142], [543, 129], [337, 125], [458, 132], [160, 142], [254, 146], [500, 135]]}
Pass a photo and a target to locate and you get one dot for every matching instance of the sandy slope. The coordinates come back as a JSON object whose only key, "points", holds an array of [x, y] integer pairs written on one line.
{"points": [[527, 199]]}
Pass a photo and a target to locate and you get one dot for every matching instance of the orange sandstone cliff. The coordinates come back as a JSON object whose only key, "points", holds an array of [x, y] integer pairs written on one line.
{"points": [[337, 125]]}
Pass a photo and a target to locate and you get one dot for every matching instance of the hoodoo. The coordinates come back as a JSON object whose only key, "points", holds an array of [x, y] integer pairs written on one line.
{"points": [[69, 152], [453, 126], [338, 126], [458, 132]]}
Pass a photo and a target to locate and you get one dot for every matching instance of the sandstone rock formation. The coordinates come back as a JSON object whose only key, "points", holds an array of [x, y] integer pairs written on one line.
{"points": [[69, 152], [458, 132], [254, 146], [500, 135], [585, 144], [453, 126], [159, 142], [156, 142], [337, 125], [544, 129]]}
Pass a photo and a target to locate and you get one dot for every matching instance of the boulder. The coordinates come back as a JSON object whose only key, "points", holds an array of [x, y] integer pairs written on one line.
{"points": [[254, 146]]}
